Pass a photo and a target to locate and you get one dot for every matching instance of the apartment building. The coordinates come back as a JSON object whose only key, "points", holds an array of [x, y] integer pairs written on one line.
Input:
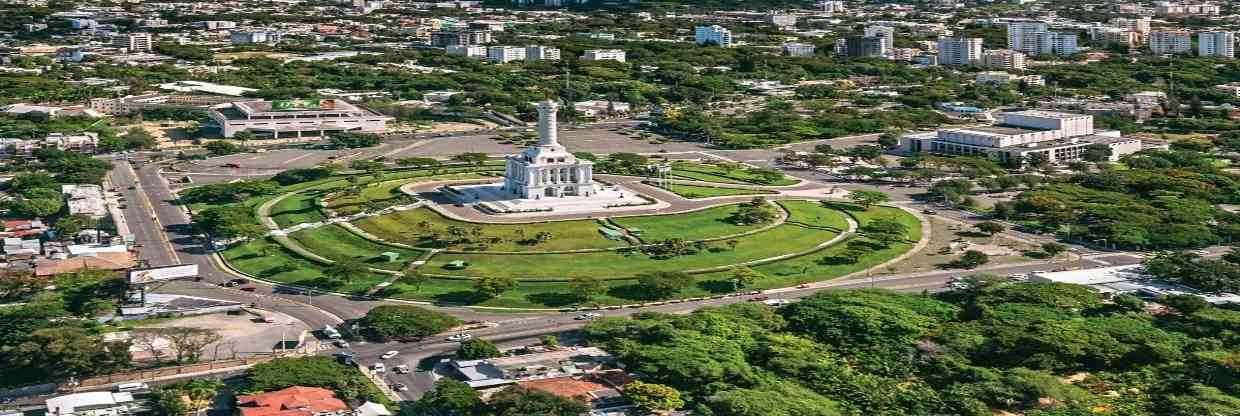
{"points": [[960, 51], [603, 55], [713, 34], [1165, 42], [133, 42], [1003, 59], [1220, 44]]}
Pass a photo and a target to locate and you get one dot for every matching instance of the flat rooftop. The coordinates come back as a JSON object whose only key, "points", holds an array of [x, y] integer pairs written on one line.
{"points": [[1047, 114], [999, 130]]}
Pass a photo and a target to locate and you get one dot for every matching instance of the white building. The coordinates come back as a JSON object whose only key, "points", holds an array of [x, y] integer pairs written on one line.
{"points": [[205, 87], [548, 170], [887, 33], [505, 54], [781, 20], [1004, 59], [1164, 42], [133, 42], [469, 51], [216, 24], [85, 200], [538, 53], [1016, 30], [1139, 25], [295, 118], [97, 403], [960, 51], [603, 55], [798, 49], [833, 6], [1222, 44], [999, 76], [86, 143], [247, 38], [1058, 137], [715, 34], [1048, 43]]}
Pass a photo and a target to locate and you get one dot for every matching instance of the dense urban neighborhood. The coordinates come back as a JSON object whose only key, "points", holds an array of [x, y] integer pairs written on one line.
{"points": [[610, 208]]}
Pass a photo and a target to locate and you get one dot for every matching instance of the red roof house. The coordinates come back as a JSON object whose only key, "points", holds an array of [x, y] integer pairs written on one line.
{"points": [[292, 401]]}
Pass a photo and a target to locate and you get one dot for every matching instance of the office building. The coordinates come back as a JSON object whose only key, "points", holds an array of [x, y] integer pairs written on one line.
{"points": [[538, 53], [1221, 44], [1164, 42], [133, 42], [295, 118], [798, 49], [861, 46], [1003, 59], [505, 54], [781, 20], [249, 38], [603, 55], [1017, 30], [713, 34], [445, 38], [960, 51], [469, 51], [1058, 137], [888, 34]]}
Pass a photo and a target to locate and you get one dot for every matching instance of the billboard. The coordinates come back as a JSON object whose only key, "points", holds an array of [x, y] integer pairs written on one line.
{"points": [[162, 273], [301, 105]]}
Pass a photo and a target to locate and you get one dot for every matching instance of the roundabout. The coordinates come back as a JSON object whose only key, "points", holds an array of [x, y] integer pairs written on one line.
{"points": [[411, 234]]}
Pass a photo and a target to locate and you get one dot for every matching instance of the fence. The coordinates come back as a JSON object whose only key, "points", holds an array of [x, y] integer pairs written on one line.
{"points": [[169, 371]]}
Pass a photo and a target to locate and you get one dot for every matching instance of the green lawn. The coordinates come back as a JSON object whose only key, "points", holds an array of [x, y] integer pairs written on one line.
{"points": [[390, 189], [281, 265], [335, 242], [714, 173], [699, 192], [403, 227], [298, 208], [697, 225], [814, 214], [613, 264]]}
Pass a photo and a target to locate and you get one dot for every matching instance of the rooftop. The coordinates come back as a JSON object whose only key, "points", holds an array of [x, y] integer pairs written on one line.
{"points": [[1047, 114], [996, 130], [292, 401]]}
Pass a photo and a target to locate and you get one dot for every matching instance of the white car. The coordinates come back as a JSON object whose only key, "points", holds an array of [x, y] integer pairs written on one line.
{"points": [[378, 368], [401, 369], [400, 387], [460, 337], [389, 354], [588, 316]]}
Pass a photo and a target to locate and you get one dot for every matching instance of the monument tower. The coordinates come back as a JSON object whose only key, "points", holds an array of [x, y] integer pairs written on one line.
{"points": [[548, 170]]}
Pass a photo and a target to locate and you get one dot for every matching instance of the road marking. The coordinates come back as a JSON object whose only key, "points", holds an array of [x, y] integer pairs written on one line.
{"points": [[297, 158], [150, 207]]}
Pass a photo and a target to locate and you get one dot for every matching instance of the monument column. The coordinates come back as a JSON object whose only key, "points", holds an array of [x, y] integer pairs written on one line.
{"points": [[547, 135]]}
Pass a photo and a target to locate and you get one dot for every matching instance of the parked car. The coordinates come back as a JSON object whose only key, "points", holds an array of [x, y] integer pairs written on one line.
{"points": [[268, 319], [389, 354], [400, 387], [378, 368], [460, 337], [248, 289], [929, 212], [342, 343], [401, 369], [588, 316]]}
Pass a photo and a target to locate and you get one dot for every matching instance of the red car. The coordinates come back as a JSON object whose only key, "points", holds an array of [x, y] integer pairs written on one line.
{"points": [[248, 289], [758, 298]]}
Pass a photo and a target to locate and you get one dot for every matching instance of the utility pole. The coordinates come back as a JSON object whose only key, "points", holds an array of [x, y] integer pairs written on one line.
{"points": [[568, 94]]}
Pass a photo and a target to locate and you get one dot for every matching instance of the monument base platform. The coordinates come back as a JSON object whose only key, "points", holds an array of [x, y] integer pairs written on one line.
{"points": [[493, 199]]}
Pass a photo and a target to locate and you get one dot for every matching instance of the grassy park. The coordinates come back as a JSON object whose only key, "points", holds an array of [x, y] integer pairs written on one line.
{"points": [[543, 268], [700, 192], [724, 174]]}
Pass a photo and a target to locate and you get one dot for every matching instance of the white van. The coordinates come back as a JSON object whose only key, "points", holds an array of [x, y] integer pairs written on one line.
{"points": [[127, 387], [331, 333]]}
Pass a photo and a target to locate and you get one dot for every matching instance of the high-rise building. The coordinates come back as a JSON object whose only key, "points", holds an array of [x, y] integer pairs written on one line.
{"points": [[505, 54], [537, 53], [863, 46], [603, 55], [1139, 25], [833, 6], [444, 38], [798, 49], [133, 42], [715, 34], [1004, 59], [960, 51], [1222, 44], [245, 38], [1047, 43], [888, 34], [1017, 29], [469, 51], [1163, 42]]}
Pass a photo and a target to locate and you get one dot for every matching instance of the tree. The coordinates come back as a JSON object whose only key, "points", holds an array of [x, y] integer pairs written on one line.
{"points": [[990, 228], [653, 398], [868, 198], [756, 211], [221, 148], [549, 341], [476, 349], [188, 344], [493, 286], [420, 163], [1053, 249], [227, 222], [415, 278], [586, 288], [351, 140], [449, 398], [1037, 160], [971, 259], [404, 322], [65, 351], [1184, 303], [889, 140], [472, 158], [663, 284], [520, 401], [168, 401], [69, 226], [885, 231], [743, 276], [346, 270], [313, 371]]}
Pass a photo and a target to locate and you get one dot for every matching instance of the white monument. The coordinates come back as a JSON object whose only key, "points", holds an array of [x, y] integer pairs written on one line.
{"points": [[547, 179], [548, 170]]}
